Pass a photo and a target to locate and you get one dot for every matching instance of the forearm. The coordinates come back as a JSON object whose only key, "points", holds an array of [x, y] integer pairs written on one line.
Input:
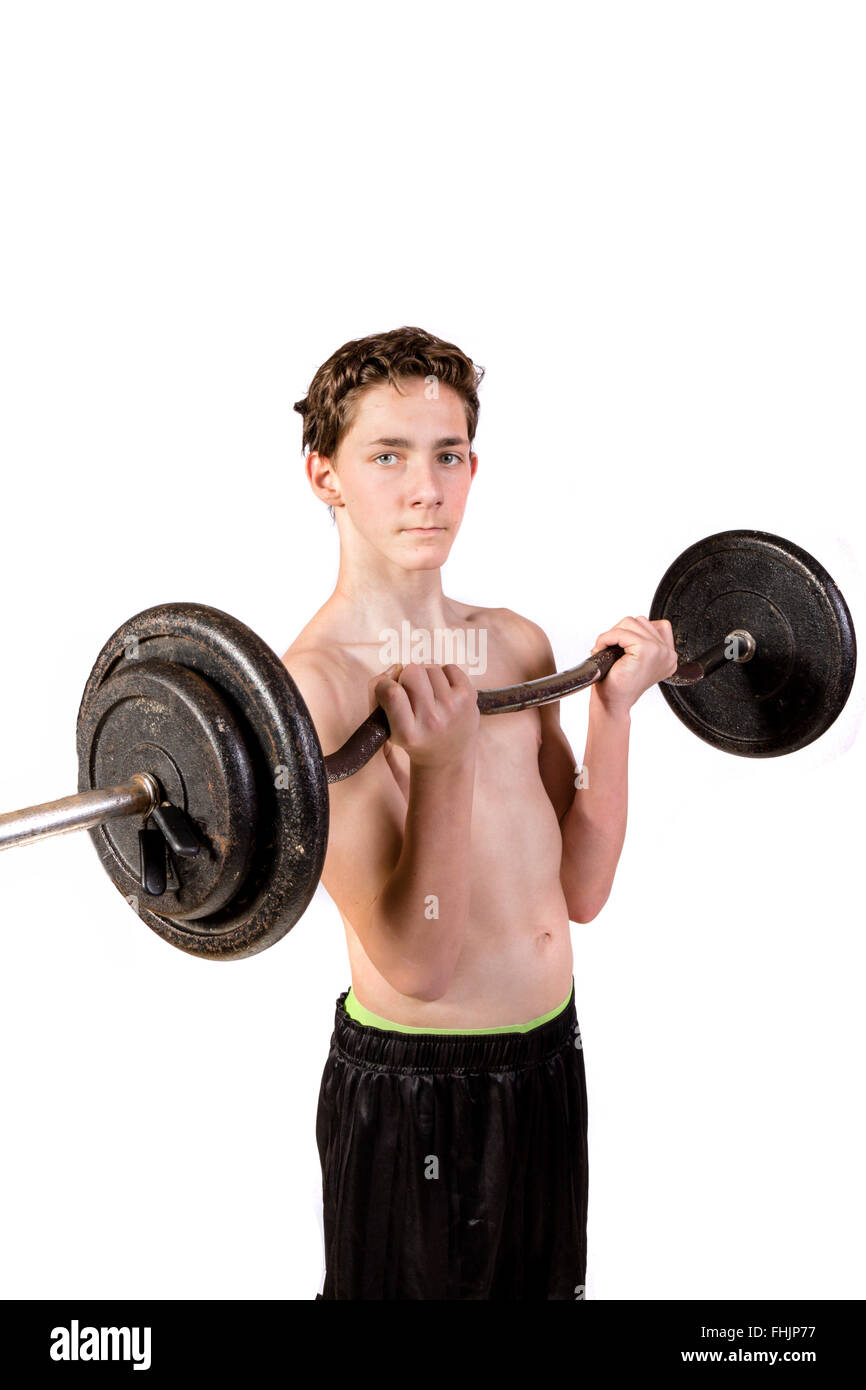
{"points": [[419, 920], [593, 828]]}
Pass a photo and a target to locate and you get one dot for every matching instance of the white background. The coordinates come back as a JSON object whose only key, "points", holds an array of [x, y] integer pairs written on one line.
{"points": [[647, 222]]}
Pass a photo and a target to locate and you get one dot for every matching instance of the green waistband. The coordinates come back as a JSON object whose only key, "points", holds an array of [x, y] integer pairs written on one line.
{"points": [[357, 1011]]}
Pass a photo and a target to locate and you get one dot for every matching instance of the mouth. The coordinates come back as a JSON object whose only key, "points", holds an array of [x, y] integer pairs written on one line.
{"points": [[423, 530]]}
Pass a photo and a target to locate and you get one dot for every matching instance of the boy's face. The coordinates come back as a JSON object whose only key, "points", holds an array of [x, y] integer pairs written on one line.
{"points": [[403, 472]]}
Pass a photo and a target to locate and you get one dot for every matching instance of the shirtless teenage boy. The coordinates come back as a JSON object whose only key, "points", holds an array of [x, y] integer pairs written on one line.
{"points": [[452, 1123]]}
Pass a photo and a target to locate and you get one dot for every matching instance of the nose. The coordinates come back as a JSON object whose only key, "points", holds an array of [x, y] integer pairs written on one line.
{"points": [[425, 485]]}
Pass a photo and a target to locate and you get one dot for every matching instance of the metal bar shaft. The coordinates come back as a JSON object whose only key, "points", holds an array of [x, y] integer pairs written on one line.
{"points": [[141, 794], [363, 743], [137, 797]]}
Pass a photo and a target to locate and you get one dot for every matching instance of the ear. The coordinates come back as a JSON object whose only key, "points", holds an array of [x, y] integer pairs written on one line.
{"points": [[323, 479]]}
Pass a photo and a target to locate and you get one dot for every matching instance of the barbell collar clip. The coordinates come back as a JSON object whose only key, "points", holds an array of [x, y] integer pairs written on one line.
{"points": [[178, 829], [151, 848]]}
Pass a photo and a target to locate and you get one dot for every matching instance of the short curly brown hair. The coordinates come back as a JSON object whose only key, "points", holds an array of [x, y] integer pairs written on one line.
{"points": [[328, 409]]}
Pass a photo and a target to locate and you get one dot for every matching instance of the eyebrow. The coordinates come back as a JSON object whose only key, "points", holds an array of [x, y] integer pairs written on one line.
{"points": [[394, 443]]}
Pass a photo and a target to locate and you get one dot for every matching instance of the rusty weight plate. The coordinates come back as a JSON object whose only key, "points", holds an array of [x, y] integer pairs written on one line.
{"points": [[802, 671], [192, 695], [165, 719]]}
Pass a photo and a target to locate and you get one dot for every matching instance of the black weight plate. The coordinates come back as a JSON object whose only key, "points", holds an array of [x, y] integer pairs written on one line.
{"points": [[290, 834], [153, 716], [802, 671]]}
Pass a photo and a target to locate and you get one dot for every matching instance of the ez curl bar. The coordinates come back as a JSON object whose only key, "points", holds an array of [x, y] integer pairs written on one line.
{"points": [[203, 784]]}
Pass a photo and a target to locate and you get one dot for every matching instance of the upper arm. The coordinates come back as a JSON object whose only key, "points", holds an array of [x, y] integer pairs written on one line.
{"points": [[556, 761], [367, 814]]}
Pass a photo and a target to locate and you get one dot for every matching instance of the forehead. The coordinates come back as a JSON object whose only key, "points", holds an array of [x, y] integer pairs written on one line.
{"points": [[428, 407]]}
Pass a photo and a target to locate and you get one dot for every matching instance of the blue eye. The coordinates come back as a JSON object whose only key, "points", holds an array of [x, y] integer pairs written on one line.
{"points": [[456, 457], [385, 456]]}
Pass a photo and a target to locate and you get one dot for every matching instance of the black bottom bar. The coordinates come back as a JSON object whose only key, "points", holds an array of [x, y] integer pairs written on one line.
{"points": [[248, 1338]]}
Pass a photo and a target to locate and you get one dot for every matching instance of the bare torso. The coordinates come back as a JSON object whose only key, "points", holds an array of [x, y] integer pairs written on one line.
{"points": [[516, 962]]}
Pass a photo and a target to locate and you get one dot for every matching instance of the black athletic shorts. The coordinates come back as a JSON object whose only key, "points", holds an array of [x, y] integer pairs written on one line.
{"points": [[454, 1166]]}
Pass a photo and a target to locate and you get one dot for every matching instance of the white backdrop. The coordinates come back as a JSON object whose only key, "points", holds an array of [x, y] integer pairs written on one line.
{"points": [[646, 222]]}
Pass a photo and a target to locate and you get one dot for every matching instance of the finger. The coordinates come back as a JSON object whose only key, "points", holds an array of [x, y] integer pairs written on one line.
{"points": [[656, 632], [390, 677], [657, 628], [664, 633], [439, 682], [632, 624], [623, 634], [416, 682], [380, 681], [394, 701], [390, 673], [456, 677]]}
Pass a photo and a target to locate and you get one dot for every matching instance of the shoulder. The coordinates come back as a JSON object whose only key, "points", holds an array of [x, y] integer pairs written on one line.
{"points": [[332, 683], [527, 639], [522, 642], [506, 625]]}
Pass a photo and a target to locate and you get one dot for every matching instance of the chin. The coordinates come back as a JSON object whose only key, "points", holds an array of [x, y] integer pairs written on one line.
{"points": [[422, 562]]}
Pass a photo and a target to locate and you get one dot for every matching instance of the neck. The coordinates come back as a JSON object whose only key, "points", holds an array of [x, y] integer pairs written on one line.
{"points": [[374, 593]]}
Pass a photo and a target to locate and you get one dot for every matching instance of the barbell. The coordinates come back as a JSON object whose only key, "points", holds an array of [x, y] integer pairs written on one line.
{"points": [[202, 780]]}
